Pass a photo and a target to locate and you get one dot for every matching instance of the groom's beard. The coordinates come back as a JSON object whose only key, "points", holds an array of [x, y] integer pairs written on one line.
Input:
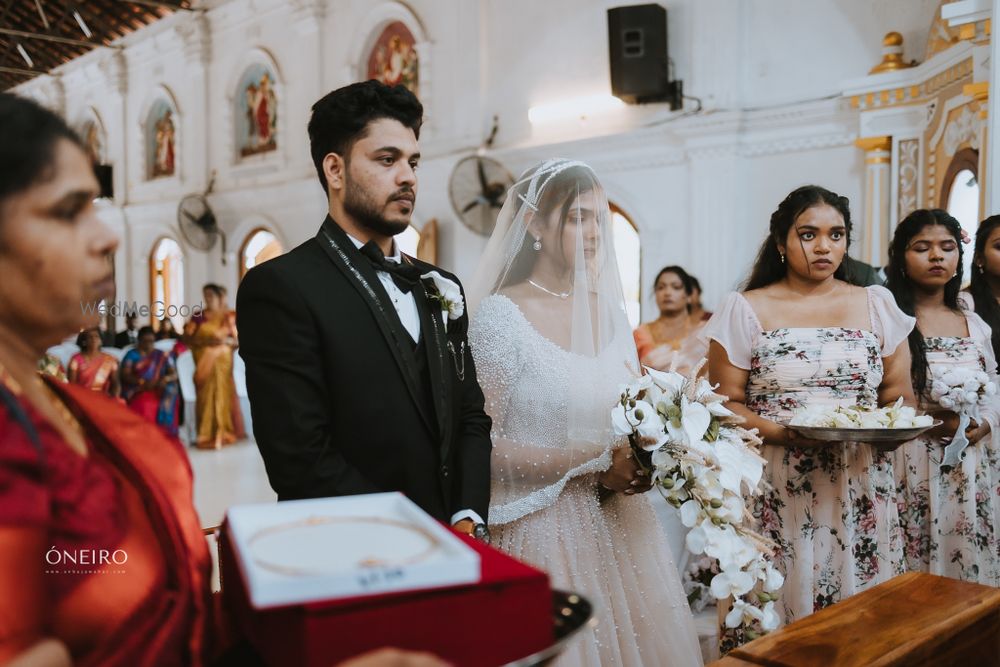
{"points": [[366, 211]]}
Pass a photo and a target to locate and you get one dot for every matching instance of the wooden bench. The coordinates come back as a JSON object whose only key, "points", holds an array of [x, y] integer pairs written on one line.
{"points": [[913, 620]]}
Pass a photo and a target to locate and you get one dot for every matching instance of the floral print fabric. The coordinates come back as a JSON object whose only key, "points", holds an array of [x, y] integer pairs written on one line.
{"points": [[950, 518]]}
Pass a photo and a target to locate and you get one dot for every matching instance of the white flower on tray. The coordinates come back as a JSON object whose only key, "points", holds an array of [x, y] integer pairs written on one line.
{"points": [[896, 415], [706, 464]]}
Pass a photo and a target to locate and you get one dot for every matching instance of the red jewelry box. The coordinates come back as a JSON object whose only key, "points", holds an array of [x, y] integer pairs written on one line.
{"points": [[506, 616]]}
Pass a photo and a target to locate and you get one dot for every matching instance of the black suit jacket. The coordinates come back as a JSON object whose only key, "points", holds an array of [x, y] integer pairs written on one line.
{"points": [[337, 401], [122, 339]]}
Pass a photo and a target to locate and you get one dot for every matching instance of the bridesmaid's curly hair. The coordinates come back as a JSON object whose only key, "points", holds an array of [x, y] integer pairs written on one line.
{"points": [[902, 286]]}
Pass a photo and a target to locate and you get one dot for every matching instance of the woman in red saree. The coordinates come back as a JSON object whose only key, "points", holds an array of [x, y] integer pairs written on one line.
{"points": [[149, 383], [91, 368], [211, 335], [102, 558]]}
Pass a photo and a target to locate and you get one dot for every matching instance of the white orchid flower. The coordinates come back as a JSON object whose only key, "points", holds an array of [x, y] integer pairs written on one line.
{"points": [[719, 410], [734, 583], [663, 460], [620, 424], [769, 620], [692, 514], [773, 579], [742, 611], [670, 382], [695, 420]]}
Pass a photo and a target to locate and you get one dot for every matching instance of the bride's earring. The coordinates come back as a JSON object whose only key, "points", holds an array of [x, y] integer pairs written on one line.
{"points": [[537, 245], [782, 257]]}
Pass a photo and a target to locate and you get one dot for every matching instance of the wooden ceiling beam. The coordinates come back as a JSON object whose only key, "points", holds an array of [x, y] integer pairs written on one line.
{"points": [[48, 38]]}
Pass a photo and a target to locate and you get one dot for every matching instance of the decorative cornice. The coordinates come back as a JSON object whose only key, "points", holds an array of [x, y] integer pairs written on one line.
{"points": [[196, 36], [874, 144], [114, 67], [308, 15]]}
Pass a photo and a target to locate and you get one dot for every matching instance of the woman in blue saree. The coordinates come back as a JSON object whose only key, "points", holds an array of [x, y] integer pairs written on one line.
{"points": [[149, 383]]}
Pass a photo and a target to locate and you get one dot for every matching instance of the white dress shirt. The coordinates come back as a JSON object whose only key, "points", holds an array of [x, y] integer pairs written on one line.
{"points": [[405, 304], [406, 308]]}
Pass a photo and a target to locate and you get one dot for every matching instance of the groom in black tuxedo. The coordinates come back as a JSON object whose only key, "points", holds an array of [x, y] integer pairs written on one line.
{"points": [[360, 378]]}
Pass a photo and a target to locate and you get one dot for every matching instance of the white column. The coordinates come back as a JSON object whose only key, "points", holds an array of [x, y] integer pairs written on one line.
{"points": [[875, 231], [992, 180], [718, 231]]}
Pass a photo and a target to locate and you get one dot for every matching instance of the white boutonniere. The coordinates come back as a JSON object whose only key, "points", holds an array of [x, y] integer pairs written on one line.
{"points": [[448, 294]]}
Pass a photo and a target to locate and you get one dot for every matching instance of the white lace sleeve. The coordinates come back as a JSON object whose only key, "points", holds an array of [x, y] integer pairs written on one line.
{"points": [[527, 384]]}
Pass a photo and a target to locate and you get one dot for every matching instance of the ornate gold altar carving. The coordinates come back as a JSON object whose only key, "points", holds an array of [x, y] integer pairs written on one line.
{"points": [[941, 35], [909, 170], [936, 114], [904, 95], [892, 54]]}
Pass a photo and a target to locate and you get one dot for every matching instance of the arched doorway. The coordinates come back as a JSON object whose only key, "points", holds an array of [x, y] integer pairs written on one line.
{"points": [[628, 250], [259, 246], [166, 280], [960, 197]]}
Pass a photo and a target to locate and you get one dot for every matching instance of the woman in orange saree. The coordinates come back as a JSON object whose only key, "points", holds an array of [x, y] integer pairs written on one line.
{"points": [[102, 559], [211, 335], [91, 368]]}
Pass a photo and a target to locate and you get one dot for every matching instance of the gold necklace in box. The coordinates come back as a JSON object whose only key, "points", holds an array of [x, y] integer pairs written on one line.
{"points": [[369, 562]]}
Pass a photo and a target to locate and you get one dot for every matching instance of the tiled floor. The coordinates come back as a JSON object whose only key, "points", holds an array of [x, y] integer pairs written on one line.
{"points": [[233, 475]]}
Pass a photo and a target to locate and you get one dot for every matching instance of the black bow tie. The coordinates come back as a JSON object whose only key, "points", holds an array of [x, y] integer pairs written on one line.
{"points": [[404, 275]]}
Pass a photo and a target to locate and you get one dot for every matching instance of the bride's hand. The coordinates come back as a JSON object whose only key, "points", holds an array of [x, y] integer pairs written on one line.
{"points": [[624, 475]]}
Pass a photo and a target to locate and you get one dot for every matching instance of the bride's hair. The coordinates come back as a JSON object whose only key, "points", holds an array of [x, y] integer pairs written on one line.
{"points": [[903, 289], [768, 268], [558, 194]]}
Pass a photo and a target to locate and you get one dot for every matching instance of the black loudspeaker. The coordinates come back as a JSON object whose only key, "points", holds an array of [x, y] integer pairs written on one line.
{"points": [[640, 69], [105, 179]]}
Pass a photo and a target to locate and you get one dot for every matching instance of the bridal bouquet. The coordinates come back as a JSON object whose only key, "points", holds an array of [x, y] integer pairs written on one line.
{"points": [[961, 390], [705, 463]]}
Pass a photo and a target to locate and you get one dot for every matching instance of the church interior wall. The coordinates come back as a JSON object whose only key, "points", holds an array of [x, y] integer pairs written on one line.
{"points": [[691, 182]]}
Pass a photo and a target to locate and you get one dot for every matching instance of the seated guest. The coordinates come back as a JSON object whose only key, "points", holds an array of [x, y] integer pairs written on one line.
{"points": [[672, 338], [129, 335], [107, 335], [698, 313], [50, 365], [166, 330], [149, 383], [92, 368]]}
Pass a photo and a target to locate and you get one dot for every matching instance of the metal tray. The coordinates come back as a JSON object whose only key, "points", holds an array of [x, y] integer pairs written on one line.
{"points": [[868, 435], [571, 612]]}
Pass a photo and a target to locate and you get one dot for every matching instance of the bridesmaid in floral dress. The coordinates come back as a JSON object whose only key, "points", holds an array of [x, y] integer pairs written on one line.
{"points": [[801, 335], [949, 518]]}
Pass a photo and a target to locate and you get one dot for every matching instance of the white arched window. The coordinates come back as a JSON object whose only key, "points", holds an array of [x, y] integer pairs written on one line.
{"points": [[166, 277], [260, 246], [963, 205], [629, 262]]}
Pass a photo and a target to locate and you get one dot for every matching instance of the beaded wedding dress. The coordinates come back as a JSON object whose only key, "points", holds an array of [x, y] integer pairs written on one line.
{"points": [[551, 362]]}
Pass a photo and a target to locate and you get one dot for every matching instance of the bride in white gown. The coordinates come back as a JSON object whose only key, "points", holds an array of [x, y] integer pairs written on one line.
{"points": [[552, 344]]}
